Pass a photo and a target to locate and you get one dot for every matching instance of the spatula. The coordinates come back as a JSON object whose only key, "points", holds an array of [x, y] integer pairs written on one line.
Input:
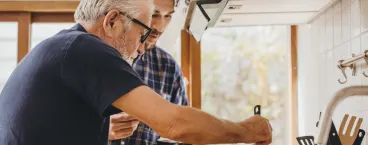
{"points": [[305, 140], [346, 138]]}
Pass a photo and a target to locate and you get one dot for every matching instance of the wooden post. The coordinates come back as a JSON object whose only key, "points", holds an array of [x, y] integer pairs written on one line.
{"points": [[191, 66], [294, 83], [185, 64], [24, 34], [195, 72]]}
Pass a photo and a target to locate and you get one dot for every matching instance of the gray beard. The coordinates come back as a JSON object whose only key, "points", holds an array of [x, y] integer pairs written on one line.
{"points": [[124, 52], [127, 58]]}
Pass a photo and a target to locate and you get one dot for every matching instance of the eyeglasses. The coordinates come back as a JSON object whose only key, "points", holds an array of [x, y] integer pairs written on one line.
{"points": [[148, 29]]}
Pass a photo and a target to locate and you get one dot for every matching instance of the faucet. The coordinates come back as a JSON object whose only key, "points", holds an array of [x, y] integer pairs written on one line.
{"points": [[326, 120]]}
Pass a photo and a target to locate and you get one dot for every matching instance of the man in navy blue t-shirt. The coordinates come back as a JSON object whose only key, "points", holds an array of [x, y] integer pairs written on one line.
{"points": [[63, 90]]}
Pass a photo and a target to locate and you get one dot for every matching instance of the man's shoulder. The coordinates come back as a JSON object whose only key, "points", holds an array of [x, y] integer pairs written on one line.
{"points": [[165, 56], [79, 37], [166, 59], [85, 42]]}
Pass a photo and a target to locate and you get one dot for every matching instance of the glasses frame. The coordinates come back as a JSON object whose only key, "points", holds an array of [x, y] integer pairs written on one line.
{"points": [[148, 29]]}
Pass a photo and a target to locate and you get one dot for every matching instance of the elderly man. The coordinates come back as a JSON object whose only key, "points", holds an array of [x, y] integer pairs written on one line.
{"points": [[160, 72], [61, 91]]}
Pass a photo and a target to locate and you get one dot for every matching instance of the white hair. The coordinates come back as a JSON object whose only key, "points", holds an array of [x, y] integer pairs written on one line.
{"points": [[88, 11]]}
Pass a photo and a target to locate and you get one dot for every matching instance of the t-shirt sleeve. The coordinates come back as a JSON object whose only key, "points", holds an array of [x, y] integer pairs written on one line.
{"points": [[97, 73]]}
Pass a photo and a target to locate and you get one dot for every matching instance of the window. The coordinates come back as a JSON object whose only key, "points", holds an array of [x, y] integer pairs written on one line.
{"points": [[246, 66], [8, 50], [42, 31]]}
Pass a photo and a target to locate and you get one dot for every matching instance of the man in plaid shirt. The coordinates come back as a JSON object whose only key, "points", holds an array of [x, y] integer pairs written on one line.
{"points": [[159, 71]]}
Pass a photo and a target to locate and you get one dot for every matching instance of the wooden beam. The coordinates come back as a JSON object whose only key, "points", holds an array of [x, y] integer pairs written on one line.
{"points": [[189, 14], [8, 17], [52, 18], [294, 83], [38, 6], [195, 72], [24, 33], [185, 63]]}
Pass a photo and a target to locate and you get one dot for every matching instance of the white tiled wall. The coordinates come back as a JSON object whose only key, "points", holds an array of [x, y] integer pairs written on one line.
{"points": [[339, 32]]}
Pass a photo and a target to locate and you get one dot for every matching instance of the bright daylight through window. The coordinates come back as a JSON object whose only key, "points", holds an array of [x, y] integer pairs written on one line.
{"points": [[246, 66]]}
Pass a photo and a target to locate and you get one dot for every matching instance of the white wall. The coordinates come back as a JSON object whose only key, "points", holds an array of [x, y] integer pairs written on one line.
{"points": [[334, 35]]}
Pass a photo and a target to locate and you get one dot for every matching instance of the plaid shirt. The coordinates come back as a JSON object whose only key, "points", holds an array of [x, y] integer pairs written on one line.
{"points": [[160, 72]]}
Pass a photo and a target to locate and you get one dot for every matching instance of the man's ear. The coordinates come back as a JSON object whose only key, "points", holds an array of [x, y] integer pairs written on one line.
{"points": [[109, 22]]}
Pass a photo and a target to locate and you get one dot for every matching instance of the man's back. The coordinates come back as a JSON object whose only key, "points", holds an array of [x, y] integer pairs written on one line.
{"points": [[50, 97]]}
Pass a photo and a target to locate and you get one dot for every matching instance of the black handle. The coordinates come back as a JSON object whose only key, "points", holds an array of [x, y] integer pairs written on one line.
{"points": [[359, 139], [333, 138], [257, 110], [319, 119]]}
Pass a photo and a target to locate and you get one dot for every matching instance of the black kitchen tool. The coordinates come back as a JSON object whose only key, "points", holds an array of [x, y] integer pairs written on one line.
{"points": [[333, 137], [320, 113], [305, 140], [257, 110], [359, 139]]}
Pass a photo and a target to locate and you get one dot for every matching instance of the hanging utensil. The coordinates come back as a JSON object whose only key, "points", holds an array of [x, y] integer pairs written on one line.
{"points": [[359, 139], [305, 140], [333, 138], [346, 138], [320, 113]]}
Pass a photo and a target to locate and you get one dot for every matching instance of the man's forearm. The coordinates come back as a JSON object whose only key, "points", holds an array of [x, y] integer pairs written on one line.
{"points": [[197, 127], [179, 123]]}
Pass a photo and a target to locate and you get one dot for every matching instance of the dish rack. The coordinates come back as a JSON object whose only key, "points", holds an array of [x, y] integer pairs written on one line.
{"points": [[328, 134]]}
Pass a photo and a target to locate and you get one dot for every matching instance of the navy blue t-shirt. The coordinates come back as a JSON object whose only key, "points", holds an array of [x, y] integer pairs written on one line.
{"points": [[62, 91]]}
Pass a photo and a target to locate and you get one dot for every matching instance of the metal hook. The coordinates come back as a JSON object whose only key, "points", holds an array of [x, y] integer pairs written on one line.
{"points": [[342, 68], [353, 67], [366, 61]]}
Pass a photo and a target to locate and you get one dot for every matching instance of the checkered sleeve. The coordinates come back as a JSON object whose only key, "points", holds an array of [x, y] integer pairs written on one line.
{"points": [[179, 93]]}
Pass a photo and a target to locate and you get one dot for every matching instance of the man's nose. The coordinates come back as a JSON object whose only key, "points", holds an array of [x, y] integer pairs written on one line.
{"points": [[158, 24], [141, 49]]}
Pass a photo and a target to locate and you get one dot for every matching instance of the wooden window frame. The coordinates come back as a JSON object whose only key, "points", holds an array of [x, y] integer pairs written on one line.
{"points": [[27, 12], [24, 21], [39, 6]]}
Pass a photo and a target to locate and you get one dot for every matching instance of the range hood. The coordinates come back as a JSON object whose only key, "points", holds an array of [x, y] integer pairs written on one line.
{"points": [[233, 13]]}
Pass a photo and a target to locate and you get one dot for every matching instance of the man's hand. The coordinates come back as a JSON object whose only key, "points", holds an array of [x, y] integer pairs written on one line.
{"points": [[258, 130], [121, 126]]}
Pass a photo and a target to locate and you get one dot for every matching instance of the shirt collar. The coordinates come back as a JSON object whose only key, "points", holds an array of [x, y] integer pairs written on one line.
{"points": [[79, 27]]}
